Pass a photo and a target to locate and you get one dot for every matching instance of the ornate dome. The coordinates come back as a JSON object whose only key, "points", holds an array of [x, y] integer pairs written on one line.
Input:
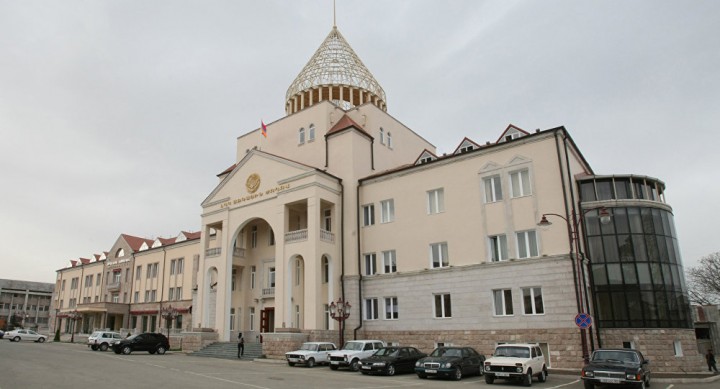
{"points": [[334, 73]]}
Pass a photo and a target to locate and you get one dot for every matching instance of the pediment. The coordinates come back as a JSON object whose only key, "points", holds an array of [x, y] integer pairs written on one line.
{"points": [[517, 160], [490, 166]]}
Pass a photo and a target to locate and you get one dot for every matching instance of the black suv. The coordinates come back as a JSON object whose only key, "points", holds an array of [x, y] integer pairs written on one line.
{"points": [[618, 367], [150, 342]]}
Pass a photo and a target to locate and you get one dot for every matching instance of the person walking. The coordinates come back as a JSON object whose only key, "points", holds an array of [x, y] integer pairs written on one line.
{"points": [[710, 358], [241, 345]]}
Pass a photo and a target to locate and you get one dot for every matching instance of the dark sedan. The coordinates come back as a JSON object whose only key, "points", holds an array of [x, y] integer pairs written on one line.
{"points": [[391, 360], [453, 362], [150, 342], [616, 367]]}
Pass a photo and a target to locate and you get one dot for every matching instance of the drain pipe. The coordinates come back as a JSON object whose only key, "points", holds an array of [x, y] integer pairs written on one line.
{"points": [[357, 211]]}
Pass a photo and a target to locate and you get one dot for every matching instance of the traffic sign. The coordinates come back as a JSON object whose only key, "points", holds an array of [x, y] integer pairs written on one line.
{"points": [[583, 320]]}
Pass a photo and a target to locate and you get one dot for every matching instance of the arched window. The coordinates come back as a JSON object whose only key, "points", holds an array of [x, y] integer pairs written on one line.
{"points": [[301, 136], [119, 253], [325, 270], [382, 136], [311, 133]]}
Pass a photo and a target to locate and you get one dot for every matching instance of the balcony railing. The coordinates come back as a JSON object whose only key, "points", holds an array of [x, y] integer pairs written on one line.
{"points": [[113, 287], [213, 252], [268, 292], [296, 236], [327, 236], [239, 252]]}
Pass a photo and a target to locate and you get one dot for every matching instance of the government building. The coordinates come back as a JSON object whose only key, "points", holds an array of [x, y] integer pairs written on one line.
{"points": [[512, 238]]}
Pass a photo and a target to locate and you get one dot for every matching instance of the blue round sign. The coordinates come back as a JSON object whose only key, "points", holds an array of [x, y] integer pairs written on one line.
{"points": [[583, 320]]}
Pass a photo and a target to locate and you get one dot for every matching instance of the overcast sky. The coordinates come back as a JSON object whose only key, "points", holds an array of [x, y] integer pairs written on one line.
{"points": [[115, 116]]}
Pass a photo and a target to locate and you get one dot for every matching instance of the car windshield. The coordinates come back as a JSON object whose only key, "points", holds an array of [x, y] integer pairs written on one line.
{"points": [[353, 346], [615, 356], [133, 336], [446, 352], [309, 347], [95, 335], [512, 352], [387, 352]]}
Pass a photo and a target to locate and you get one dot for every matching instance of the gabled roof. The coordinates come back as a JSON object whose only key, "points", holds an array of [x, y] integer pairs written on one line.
{"points": [[425, 155], [84, 261], [466, 142], [346, 123], [135, 242], [513, 131], [228, 170]]}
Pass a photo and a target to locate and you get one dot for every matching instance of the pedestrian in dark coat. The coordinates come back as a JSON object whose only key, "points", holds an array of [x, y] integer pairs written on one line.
{"points": [[241, 345], [710, 358]]}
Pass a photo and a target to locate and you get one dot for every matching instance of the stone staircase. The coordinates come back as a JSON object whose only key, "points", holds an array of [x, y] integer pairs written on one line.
{"points": [[228, 350]]}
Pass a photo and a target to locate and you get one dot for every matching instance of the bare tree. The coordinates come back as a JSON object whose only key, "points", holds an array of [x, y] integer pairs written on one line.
{"points": [[704, 280]]}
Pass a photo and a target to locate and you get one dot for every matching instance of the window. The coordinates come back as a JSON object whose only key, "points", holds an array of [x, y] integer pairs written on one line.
{"points": [[171, 294], [442, 306], [271, 277], [172, 267], [116, 298], [498, 248], [436, 201], [138, 272], [382, 136], [252, 277], [137, 297], [63, 285], [389, 262], [233, 280], [370, 265], [178, 293], [371, 309], [271, 241], [232, 319], [147, 296], [252, 318], [153, 296], [533, 301], [301, 136], [389, 140], [148, 271], [127, 274], [116, 277], [391, 308], [527, 244], [439, 255], [677, 347], [387, 211], [311, 133], [326, 308], [520, 183], [325, 270], [253, 236], [297, 316], [493, 189], [180, 265], [503, 302], [298, 271], [368, 215], [327, 219], [98, 278]]}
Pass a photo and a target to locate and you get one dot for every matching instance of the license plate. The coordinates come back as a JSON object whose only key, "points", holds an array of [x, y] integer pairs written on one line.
{"points": [[502, 374], [430, 371], [334, 362], [366, 367], [610, 380], [293, 359]]}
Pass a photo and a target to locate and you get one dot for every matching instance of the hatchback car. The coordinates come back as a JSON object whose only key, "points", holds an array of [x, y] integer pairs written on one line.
{"points": [[102, 340], [453, 362], [150, 342], [391, 360], [18, 335]]}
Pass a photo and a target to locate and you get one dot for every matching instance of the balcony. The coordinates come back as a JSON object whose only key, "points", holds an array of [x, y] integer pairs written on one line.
{"points": [[213, 252], [268, 292], [113, 286], [296, 236], [327, 236], [239, 252]]}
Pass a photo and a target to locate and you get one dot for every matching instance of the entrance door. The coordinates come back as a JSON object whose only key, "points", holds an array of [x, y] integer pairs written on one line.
{"points": [[267, 320]]}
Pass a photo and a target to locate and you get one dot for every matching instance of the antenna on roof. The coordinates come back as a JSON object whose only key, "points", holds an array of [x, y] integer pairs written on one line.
{"points": [[334, 23]]}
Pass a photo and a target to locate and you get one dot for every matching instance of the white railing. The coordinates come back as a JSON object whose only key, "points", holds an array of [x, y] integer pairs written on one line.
{"points": [[213, 252], [296, 236], [327, 236], [239, 252], [268, 292]]}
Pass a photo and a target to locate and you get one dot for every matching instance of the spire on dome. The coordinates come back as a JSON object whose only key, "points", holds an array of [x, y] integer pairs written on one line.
{"points": [[337, 74]]}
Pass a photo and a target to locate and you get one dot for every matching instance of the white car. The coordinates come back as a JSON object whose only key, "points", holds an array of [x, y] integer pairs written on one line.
{"points": [[352, 352], [310, 354], [18, 335], [102, 340], [517, 362]]}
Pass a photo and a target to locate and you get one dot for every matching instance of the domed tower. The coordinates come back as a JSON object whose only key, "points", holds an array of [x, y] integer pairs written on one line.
{"points": [[334, 73]]}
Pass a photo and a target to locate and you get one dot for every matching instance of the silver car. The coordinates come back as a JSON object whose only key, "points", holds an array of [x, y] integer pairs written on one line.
{"points": [[18, 335]]}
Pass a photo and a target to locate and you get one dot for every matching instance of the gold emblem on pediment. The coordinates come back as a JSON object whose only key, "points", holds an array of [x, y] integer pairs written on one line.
{"points": [[253, 183]]}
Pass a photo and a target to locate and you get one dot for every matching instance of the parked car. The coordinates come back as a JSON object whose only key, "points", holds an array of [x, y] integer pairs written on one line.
{"points": [[148, 341], [520, 362], [311, 353], [391, 360], [451, 362], [18, 335], [616, 367], [102, 340], [352, 352], [2, 333]]}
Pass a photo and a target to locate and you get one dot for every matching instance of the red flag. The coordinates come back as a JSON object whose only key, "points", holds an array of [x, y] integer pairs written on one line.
{"points": [[264, 128]]}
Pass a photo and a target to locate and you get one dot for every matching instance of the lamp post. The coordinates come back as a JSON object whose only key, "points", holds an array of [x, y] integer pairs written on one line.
{"points": [[574, 223], [169, 314], [340, 311], [74, 316]]}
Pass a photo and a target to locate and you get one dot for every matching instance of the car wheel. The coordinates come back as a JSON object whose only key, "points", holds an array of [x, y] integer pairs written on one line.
{"points": [[104, 347], [527, 379], [161, 350], [588, 385], [542, 377], [291, 363], [489, 379], [391, 370], [311, 362], [423, 376], [126, 350], [457, 375], [94, 347], [333, 367], [41, 340], [16, 339], [354, 365]]}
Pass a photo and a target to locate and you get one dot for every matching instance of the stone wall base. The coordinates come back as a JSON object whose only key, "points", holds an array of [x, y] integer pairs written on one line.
{"points": [[659, 345], [194, 341]]}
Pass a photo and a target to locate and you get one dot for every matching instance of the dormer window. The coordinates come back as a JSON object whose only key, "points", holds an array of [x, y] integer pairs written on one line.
{"points": [[119, 253], [311, 133], [426, 160], [382, 136], [467, 148], [301, 136]]}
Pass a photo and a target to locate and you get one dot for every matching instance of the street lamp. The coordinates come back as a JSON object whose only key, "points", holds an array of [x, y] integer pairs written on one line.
{"points": [[574, 222], [340, 311], [169, 314], [74, 316]]}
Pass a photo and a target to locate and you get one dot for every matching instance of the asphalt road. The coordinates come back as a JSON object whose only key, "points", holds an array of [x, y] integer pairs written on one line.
{"points": [[63, 365]]}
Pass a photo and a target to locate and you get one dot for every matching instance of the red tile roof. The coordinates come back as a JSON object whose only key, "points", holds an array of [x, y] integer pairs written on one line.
{"points": [[191, 235], [346, 123], [135, 242]]}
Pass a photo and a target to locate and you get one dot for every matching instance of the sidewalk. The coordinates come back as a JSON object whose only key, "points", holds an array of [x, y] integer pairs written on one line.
{"points": [[669, 378]]}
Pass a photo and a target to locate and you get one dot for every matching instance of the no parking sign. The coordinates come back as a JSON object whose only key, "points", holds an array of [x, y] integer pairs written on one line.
{"points": [[583, 320]]}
